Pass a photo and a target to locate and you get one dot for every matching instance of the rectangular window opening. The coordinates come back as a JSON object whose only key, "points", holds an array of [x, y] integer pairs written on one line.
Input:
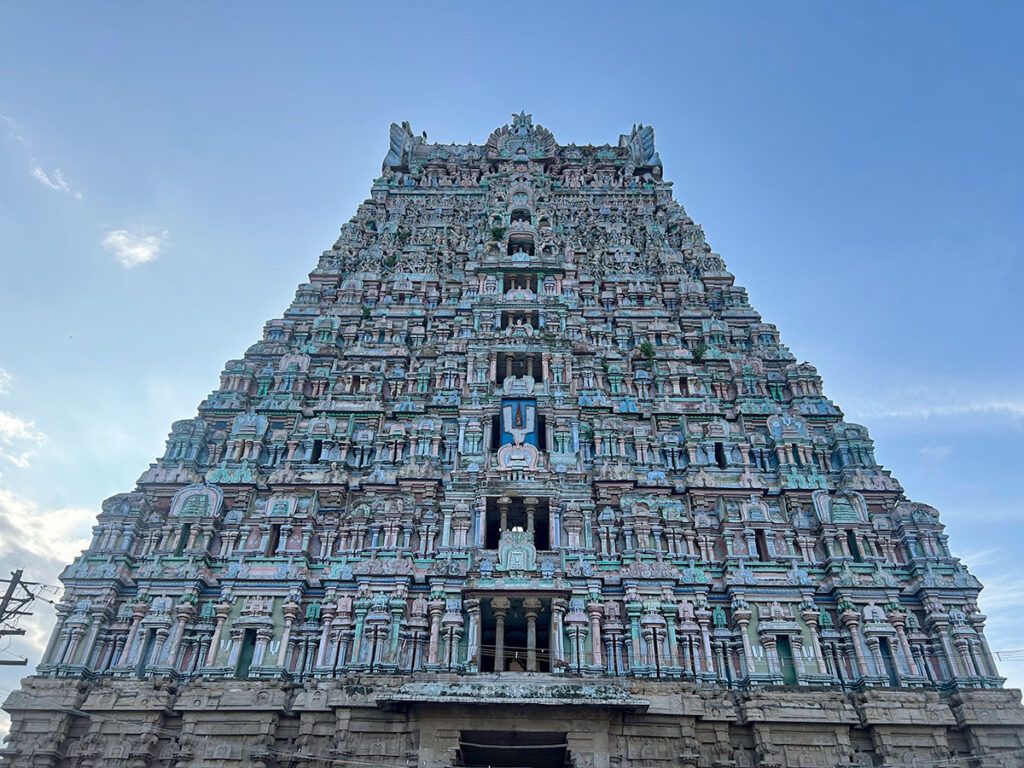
{"points": [[515, 651], [761, 542], [720, 459], [246, 654], [851, 542], [147, 650], [273, 540], [186, 531], [787, 664], [517, 517], [520, 365], [888, 661]]}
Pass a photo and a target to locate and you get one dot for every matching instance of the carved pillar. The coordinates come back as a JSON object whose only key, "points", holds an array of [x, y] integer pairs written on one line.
{"points": [[436, 610], [326, 615], [503, 507], [595, 611], [500, 607], [963, 651], [939, 626], [158, 647], [742, 618], [704, 622], [810, 617], [76, 633], [291, 611], [473, 634], [851, 621], [557, 649], [263, 637], [771, 654], [898, 621], [577, 625], [531, 607], [222, 610], [171, 653], [62, 614], [798, 657], [99, 618], [531, 511], [985, 650]]}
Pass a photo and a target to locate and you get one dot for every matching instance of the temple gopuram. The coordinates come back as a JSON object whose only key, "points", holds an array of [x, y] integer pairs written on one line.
{"points": [[520, 479]]}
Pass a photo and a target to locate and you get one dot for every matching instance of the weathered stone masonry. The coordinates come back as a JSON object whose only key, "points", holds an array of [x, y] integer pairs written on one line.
{"points": [[519, 479]]}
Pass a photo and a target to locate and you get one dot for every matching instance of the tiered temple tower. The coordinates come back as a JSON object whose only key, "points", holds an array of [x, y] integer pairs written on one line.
{"points": [[519, 479]]}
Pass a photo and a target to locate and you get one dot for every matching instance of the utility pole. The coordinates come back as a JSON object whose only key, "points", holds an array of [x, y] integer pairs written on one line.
{"points": [[16, 597]]}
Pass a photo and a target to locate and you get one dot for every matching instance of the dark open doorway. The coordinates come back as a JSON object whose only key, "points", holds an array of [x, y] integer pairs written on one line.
{"points": [[513, 749]]}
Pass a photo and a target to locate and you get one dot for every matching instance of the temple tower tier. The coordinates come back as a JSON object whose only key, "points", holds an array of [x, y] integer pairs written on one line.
{"points": [[519, 478]]}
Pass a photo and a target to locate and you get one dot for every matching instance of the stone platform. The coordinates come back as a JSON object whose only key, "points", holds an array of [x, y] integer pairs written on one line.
{"points": [[423, 722]]}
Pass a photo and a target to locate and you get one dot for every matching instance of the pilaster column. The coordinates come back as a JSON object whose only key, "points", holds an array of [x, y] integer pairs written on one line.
{"points": [[558, 607], [158, 647], [263, 637], [99, 618], [851, 621], [704, 622], [326, 614], [798, 658], [503, 507], [291, 611], [810, 617], [183, 613], [742, 617], [531, 607], [898, 621], [771, 654], [500, 607], [531, 512], [595, 611], [473, 633], [963, 651], [985, 650], [436, 610], [77, 632], [221, 610], [63, 610]]}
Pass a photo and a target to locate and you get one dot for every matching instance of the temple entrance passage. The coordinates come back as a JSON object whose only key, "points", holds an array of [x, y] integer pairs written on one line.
{"points": [[512, 749]]}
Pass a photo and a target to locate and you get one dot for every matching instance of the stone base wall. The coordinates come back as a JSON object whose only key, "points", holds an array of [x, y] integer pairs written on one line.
{"points": [[416, 722]]}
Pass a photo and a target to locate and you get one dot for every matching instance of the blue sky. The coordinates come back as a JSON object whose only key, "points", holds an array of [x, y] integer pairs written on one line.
{"points": [[169, 173]]}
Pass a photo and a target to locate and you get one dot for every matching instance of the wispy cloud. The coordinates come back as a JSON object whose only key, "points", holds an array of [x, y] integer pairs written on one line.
{"points": [[41, 542], [921, 406], [980, 558], [985, 511], [55, 181], [19, 439], [132, 248], [13, 132], [936, 453], [52, 537]]}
